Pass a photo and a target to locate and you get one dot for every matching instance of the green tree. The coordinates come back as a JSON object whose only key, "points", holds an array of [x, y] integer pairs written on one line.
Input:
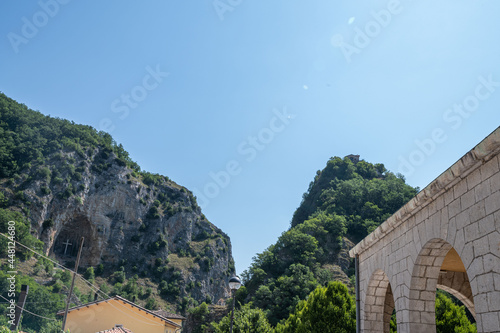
{"points": [[3, 200], [451, 318], [393, 323], [22, 234], [327, 309], [327, 229], [246, 320], [280, 297], [199, 315], [294, 246], [40, 301], [89, 274]]}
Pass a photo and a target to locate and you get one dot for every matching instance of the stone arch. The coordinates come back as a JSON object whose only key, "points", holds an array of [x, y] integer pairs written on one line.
{"points": [[431, 272], [459, 211], [379, 303], [457, 284]]}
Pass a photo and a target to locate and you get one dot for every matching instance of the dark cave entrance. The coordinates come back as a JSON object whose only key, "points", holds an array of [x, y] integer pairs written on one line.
{"points": [[68, 240]]}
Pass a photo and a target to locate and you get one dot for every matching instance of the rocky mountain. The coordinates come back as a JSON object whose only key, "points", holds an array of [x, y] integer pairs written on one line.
{"points": [[71, 181]]}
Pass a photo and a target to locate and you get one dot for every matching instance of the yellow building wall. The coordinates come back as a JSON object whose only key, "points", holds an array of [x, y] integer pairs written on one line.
{"points": [[104, 316], [177, 321]]}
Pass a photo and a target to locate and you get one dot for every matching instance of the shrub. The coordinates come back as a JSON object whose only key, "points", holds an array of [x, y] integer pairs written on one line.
{"points": [[151, 304], [66, 276], [45, 190], [117, 288], [49, 223], [57, 286], [119, 276], [67, 193], [44, 173], [20, 196], [57, 180], [3, 200], [99, 270], [153, 213], [89, 273]]}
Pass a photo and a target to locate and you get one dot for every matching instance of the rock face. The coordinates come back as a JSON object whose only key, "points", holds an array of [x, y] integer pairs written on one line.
{"points": [[145, 223]]}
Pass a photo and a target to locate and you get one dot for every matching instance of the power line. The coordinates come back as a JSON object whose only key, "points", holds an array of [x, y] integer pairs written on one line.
{"points": [[33, 302], [31, 313], [91, 286], [41, 255]]}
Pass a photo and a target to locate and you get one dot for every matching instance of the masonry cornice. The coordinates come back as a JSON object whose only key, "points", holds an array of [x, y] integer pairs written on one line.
{"points": [[487, 149]]}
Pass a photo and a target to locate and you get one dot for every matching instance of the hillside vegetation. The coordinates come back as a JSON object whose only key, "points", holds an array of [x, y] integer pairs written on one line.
{"points": [[304, 282], [60, 180], [344, 203], [145, 236]]}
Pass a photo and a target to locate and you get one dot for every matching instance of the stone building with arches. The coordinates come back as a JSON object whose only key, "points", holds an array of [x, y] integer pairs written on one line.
{"points": [[447, 237]]}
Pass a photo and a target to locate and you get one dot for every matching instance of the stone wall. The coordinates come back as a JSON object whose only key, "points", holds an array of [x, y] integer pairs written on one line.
{"points": [[402, 258]]}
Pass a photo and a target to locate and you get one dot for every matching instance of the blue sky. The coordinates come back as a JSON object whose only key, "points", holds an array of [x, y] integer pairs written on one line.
{"points": [[242, 101]]}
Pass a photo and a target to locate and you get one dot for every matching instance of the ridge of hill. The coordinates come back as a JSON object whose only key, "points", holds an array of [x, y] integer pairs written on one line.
{"points": [[145, 236], [345, 202]]}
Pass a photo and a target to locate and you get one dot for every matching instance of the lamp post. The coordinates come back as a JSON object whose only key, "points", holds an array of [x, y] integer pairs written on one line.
{"points": [[234, 284]]}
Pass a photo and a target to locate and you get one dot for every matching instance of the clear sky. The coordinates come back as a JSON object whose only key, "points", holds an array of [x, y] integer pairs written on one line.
{"points": [[242, 101]]}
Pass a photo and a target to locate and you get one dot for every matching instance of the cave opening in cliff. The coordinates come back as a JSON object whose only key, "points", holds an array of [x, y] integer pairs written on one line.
{"points": [[68, 240]]}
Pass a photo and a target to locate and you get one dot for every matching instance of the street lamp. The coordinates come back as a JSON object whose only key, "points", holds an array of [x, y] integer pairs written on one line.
{"points": [[234, 284]]}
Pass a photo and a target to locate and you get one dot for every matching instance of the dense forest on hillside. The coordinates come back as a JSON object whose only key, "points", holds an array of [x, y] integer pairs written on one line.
{"points": [[28, 138], [344, 203], [55, 163], [289, 286]]}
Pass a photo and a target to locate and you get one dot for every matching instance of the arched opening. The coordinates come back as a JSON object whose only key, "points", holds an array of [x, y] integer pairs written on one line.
{"points": [[379, 303], [438, 265], [67, 241], [454, 280]]}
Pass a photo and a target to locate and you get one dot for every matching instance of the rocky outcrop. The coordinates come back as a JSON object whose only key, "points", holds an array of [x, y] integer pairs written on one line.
{"points": [[146, 223], [199, 322]]}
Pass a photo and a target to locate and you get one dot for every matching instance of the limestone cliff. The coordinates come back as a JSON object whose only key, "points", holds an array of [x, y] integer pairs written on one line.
{"points": [[146, 223]]}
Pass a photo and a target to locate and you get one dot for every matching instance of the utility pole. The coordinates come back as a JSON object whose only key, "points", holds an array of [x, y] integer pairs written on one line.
{"points": [[72, 284], [20, 307]]}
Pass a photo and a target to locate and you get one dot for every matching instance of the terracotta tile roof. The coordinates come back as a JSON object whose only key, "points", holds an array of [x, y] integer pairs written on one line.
{"points": [[168, 315], [117, 329]]}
